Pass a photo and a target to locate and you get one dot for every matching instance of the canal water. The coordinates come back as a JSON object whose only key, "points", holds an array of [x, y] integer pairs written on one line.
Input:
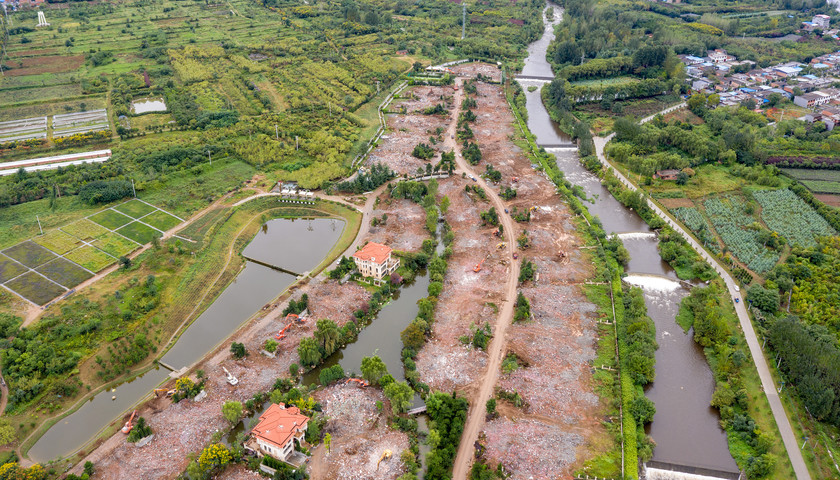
{"points": [[685, 427], [256, 285]]}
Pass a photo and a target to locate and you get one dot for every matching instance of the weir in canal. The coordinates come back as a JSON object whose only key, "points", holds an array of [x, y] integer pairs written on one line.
{"points": [[686, 428], [292, 244]]}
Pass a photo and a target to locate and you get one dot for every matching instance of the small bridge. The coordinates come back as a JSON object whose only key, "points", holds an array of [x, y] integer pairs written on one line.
{"points": [[273, 267], [417, 411]]}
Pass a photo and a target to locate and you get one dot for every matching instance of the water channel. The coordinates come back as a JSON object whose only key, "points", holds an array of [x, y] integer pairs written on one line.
{"points": [[296, 245], [685, 427]]}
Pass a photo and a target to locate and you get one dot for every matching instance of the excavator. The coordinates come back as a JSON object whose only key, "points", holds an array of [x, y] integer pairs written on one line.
{"points": [[129, 425], [501, 245], [230, 378], [385, 456], [293, 317], [282, 333], [361, 382], [164, 392], [477, 267]]}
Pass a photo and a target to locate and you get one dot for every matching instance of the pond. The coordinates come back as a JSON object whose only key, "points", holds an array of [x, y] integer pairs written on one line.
{"points": [[147, 105]]}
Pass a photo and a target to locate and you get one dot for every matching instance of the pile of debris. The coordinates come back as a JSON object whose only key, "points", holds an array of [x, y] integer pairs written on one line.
{"points": [[531, 449]]}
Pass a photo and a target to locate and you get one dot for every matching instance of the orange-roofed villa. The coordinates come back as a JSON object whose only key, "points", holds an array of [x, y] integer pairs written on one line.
{"points": [[374, 260], [276, 433]]}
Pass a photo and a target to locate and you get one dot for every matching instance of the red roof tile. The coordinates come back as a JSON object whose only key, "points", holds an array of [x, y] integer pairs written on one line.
{"points": [[278, 424], [375, 252]]}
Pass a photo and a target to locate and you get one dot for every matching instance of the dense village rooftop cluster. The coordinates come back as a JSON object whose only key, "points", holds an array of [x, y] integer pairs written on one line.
{"points": [[808, 85]]}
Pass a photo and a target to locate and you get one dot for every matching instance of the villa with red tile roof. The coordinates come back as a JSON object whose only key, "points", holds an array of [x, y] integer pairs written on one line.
{"points": [[374, 260], [277, 431]]}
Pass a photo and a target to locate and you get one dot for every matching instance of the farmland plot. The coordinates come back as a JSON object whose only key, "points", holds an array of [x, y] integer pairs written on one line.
{"points": [[81, 122], [731, 222], [24, 129], [35, 288], [792, 218], [64, 272]]}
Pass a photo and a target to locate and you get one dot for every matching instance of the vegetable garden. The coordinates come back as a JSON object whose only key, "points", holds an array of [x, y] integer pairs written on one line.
{"points": [[791, 217]]}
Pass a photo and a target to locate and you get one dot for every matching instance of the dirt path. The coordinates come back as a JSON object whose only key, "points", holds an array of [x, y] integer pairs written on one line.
{"points": [[495, 351], [4, 395]]}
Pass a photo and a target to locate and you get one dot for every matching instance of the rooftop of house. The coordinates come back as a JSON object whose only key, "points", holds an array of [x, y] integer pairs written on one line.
{"points": [[374, 252], [279, 424]]}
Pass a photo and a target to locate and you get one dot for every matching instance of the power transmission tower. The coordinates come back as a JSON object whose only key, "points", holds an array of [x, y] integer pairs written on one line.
{"points": [[464, 20]]}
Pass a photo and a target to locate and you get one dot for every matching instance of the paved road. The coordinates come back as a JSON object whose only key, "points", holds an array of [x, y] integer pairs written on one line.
{"points": [[789, 438], [477, 411]]}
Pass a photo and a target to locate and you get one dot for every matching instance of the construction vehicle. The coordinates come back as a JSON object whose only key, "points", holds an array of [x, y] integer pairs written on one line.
{"points": [[501, 245], [230, 378], [293, 317], [358, 381], [497, 233], [515, 255], [129, 425], [385, 456], [164, 392], [477, 267], [515, 179], [282, 333]]}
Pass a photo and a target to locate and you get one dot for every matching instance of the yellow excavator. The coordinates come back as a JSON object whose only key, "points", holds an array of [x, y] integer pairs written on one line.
{"points": [[385, 456]]}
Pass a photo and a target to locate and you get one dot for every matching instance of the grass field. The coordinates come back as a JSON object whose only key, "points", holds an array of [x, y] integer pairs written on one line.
{"points": [[111, 219], [64, 272], [138, 232], [91, 258], [30, 254], [161, 220], [57, 241], [115, 245], [824, 175], [35, 288], [135, 208], [18, 222], [598, 82], [85, 229], [9, 269]]}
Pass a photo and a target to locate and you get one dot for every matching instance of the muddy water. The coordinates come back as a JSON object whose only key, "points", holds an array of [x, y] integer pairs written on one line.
{"points": [[685, 427], [253, 287]]}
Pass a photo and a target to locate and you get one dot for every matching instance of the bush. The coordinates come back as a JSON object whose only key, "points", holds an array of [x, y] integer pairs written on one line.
{"points": [[331, 374], [105, 191], [238, 350], [141, 430]]}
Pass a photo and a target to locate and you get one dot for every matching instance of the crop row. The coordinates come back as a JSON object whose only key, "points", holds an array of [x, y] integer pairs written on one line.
{"points": [[792, 218], [730, 220]]}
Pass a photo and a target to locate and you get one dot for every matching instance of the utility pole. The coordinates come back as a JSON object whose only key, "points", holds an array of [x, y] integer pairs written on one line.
{"points": [[276, 133], [464, 20], [296, 142], [39, 224], [209, 157], [132, 188]]}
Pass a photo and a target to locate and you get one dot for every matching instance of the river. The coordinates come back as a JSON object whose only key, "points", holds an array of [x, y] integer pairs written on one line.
{"points": [[295, 245], [685, 427]]}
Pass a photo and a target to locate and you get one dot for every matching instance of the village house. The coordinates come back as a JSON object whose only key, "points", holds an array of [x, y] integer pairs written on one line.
{"points": [[374, 260], [719, 56], [816, 99], [278, 430]]}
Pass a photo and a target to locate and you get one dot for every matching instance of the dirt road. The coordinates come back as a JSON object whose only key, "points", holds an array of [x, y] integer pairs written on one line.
{"points": [[495, 351], [4, 395]]}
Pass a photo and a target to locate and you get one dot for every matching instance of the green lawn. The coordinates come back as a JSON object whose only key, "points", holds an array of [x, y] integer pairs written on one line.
{"points": [[57, 241], [115, 245], [85, 229], [30, 254], [35, 288], [161, 220], [9, 268], [64, 272], [91, 258], [111, 219], [135, 208], [138, 232]]}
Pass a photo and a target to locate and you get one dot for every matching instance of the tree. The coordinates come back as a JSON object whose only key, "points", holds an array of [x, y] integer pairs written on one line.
{"points": [[7, 432], [327, 442], [215, 455], [308, 351], [642, 410], [270, 345], [414, 335], [327, 335], [373, 369], [765, 300], [444, 204], [140, 431], [400, 395], [238, 350], [491, 407], [232, 411]]}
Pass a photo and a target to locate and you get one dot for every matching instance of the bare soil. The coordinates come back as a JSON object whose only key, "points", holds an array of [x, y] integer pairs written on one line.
{"points": [[558, 344], [472, 69], [45, 64], [676, 202], [406, 131], [360, 436], [404, 227]]}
